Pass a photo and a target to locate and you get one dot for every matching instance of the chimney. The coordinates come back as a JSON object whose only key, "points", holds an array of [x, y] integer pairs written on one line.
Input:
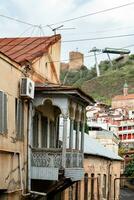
{"points": [[125, 89]]}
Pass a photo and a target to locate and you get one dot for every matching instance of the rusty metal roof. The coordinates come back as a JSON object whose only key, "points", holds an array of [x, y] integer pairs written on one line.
{"points": [[26, 48]]}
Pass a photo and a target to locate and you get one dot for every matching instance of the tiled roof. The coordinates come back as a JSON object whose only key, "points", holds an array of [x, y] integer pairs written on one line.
{"points": [[122, 97], [26, 48]]}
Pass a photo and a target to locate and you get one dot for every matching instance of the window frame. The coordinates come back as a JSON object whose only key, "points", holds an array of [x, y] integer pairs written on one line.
{"points": [[3, 112]]}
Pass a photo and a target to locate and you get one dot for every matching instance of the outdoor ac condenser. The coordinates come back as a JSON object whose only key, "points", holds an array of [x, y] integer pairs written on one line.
{"points": [[27, 88]]}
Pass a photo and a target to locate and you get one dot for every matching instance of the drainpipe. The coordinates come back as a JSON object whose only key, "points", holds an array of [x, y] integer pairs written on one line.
{"points": [[29, 144], [109, 166]]}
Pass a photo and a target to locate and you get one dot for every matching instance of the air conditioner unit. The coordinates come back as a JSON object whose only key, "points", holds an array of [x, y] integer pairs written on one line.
{"points": [[27, 88]]}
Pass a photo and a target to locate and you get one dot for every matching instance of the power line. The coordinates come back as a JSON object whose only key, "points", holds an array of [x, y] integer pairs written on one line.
{"points": [[98, 54], [131, 45], [91, 14], [87, 56], [102, 30], [18, 20], [78, 40], [99, 38], [25, 31]]}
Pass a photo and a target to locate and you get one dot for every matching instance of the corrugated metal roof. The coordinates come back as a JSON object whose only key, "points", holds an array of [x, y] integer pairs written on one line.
{"points": [[92, 147], [27, 48]]}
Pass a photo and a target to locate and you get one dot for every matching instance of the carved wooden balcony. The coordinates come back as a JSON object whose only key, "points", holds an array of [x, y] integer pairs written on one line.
{"points": [[46, 163]]}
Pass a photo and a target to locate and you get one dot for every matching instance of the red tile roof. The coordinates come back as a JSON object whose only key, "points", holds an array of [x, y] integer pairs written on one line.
{"points": [[27, 48], [121, 97]]}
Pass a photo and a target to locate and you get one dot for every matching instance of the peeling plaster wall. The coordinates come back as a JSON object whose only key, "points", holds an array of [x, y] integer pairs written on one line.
{"points": [[9, 161]]}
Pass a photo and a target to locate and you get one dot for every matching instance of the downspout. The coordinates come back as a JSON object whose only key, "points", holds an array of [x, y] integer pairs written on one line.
{"points": [[29, 144], [109, 166]]}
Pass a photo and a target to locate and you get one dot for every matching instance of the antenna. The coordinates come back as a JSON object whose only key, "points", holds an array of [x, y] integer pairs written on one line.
{"points": [[59, 28]]}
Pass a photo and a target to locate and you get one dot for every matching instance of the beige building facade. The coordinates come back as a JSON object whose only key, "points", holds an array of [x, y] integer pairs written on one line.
{"points": [[14, 110], [35, 157], [101, 169]]}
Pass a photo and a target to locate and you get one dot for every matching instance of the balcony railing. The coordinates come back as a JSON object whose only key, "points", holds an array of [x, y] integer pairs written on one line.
{"points": [[42, 157]]}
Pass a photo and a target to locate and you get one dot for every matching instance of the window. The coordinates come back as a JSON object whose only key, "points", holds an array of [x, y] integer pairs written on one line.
{"points": [[104, 185], [92, 186], [86, 186], [3, 112], [19, 118]]}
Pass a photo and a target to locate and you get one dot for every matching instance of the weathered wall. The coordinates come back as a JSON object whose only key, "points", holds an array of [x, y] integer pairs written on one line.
{"points": [[11, 149], [44, 65], [97, 166]]}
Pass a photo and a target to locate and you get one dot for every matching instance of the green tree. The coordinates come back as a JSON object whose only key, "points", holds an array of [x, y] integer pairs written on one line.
{"points": [[129, 170]]}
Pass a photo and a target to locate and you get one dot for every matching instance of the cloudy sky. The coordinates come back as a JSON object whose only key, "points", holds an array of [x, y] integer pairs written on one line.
{"points": [[46, 12]]}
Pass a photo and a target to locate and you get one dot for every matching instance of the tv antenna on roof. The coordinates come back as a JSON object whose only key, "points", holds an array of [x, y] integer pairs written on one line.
{"points": [[58, 28]]}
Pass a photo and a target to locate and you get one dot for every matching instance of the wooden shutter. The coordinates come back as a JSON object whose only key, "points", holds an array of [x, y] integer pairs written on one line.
{"points": [[3, 112]]}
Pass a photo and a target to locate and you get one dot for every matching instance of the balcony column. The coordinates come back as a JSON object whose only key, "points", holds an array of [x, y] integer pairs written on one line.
{"points": [[71, 140], [77, 135], [39, 133], [48, 133], [65, 117], [71, 133], [82, 137], [78, 120]]}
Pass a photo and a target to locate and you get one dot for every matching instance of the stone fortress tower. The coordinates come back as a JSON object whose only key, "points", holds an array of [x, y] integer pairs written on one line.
{"points": [[76, 60]]}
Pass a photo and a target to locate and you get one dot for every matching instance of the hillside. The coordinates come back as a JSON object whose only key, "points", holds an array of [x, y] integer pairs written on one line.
{"points": [[107, 85]]}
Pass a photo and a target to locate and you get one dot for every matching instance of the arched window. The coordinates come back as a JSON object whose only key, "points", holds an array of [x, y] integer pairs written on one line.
{"points": [[86, 186], [92, 186]]}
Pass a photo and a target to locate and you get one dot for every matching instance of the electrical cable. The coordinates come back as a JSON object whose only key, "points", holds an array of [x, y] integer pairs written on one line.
{"points": [[99, 38], [91, 14], [18, 20]]}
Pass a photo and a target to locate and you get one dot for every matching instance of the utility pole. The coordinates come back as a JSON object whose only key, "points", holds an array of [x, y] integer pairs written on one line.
{"points": [[94, 50]]}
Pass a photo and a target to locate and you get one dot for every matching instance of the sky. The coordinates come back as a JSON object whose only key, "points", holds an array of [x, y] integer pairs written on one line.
{"points": [[46, 12]]}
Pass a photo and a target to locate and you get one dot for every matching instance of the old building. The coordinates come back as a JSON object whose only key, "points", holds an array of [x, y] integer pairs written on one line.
{"points": [[124, 101], [35, 157], [101, 168], [23, 61]]}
